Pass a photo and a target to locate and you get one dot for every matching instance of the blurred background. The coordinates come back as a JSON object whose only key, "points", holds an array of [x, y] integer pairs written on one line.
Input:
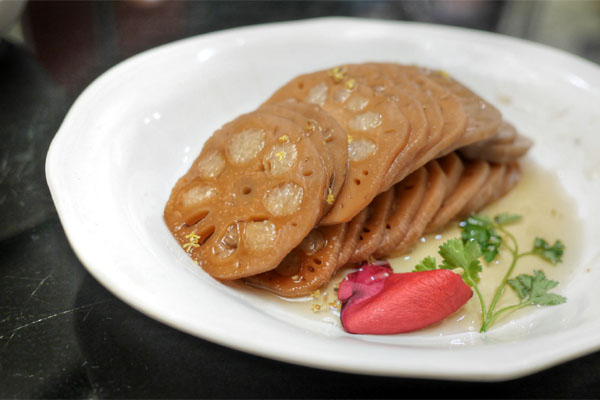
{"points": [[95, 35], [61, 333]]}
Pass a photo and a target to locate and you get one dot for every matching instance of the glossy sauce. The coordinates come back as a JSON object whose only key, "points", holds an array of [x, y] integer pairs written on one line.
{"points": [[547, 211]]}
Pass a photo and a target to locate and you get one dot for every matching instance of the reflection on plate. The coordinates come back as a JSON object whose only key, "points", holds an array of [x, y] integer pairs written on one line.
{"points": [[139, 126]]}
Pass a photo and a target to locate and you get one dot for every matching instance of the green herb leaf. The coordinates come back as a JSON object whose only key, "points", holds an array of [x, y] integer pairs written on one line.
{"points": [[506, 218], [549, 253], [427, 264], [481, 229], [534, 289], [456, 254]]}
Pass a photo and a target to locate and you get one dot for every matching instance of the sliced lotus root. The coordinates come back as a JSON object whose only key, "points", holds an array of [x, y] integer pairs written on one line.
{"points": [[421, 90], [436, 189], [306, 268], [408, 196], [355, 229], [512, 176], [453, 168], [505, 134], [485, 195], [374, 228], [498, 152], [374, 76], [248, 199], [377, 132], [484, 119], [455, 117], [317, 121], [312, 130], [473, 178]]}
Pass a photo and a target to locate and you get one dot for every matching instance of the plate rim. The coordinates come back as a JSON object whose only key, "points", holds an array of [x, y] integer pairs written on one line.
{"points": [[54, 178]]}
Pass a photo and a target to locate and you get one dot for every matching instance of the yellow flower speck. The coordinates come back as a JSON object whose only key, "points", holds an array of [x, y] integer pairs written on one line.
{"points": [[316, 294], [350, 139], [336, 304], [337, 73], [316, 308], [350, 84], [330, 197], [280, 155], [284, 138], [192, 242]]}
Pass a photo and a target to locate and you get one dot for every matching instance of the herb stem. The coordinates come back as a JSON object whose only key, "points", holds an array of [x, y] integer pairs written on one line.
{"points": [[482, 302], [528, 253], [493, 318], [500, 289]]}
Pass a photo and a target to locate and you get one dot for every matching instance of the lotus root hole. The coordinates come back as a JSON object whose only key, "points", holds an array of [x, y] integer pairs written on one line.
{"points": [[197, 195], [246, 190], [260, 236], [361, 149], [341, 95], [318, 94], [365, 172], [195, 217], [211, 166], [228, 243], [357, 103], [205, 234], [284, 199], [280, 159], [357, 181], [246, 145], [365, 121], [313, 243], [307, 173]]}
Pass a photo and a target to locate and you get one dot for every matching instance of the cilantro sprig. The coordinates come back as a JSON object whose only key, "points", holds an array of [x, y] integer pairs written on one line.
{"points": [[483, 237]]}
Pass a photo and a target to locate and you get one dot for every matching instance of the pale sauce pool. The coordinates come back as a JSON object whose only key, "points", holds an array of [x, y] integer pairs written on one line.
{"points": [[547, 211]]}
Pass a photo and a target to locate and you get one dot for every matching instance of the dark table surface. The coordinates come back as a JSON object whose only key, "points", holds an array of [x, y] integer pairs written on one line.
{"points": [[64, 335]]}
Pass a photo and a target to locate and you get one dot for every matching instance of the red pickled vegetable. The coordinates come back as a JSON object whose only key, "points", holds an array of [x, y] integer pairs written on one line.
{"points": [[377, 301]]}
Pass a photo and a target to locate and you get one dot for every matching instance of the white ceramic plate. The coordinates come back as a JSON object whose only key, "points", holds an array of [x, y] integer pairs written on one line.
{"points": [[139, 126]]}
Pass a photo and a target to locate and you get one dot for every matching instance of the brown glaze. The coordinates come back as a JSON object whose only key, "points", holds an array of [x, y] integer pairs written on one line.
{"points": [[374, 76], [377, 132], [488, 192], [498, 152], [338, 166], [408, 196], [240, 229], [374, 228], [432, 201], [473, 178], [484, 119], [307, 267], [453, 168], [312, 128], [355, 228]]}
